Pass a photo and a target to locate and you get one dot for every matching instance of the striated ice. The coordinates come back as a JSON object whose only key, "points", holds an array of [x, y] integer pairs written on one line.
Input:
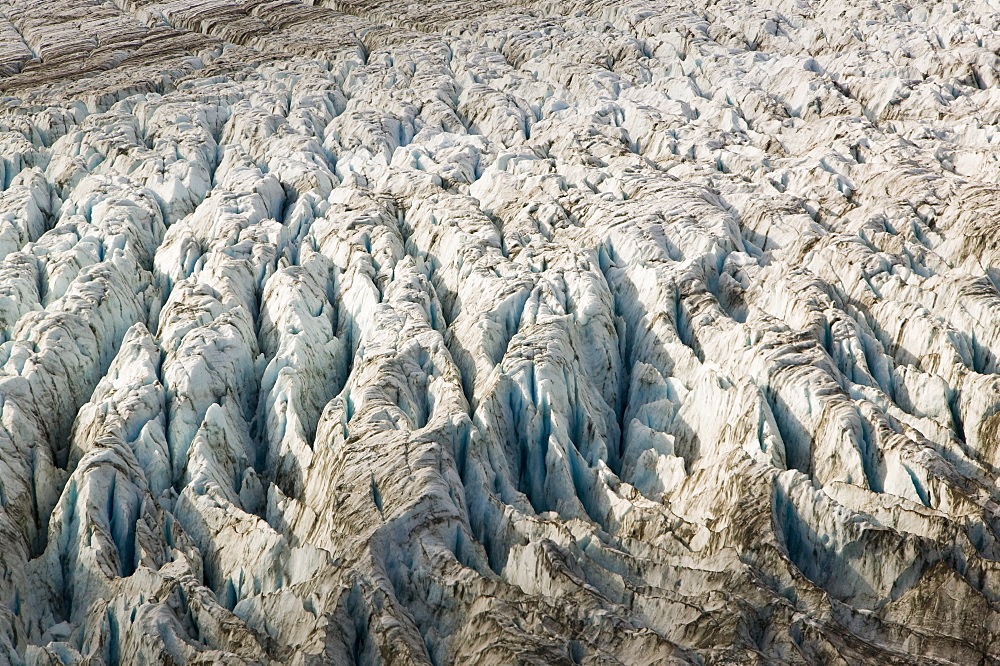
{"points": [[610, 331]]}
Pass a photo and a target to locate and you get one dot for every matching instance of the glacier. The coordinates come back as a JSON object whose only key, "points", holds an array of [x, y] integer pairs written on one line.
{"points": [[525, 332]]}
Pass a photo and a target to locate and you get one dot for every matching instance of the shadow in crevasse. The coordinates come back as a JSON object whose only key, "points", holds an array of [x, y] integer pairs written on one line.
{"points": [[822, 559], [643, 343], [985, 289], [797, 439], [687, 443]]}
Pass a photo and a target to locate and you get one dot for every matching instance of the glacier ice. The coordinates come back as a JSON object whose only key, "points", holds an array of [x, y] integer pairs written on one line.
{"points": [[591, 332]]}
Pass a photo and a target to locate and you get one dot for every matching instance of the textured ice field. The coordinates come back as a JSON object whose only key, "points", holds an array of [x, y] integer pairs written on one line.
{"points": [[458, 332]]}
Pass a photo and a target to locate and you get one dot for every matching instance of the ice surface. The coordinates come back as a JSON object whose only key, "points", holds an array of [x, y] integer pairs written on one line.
{"points": [[592, 332]]}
